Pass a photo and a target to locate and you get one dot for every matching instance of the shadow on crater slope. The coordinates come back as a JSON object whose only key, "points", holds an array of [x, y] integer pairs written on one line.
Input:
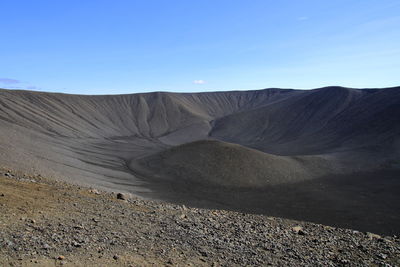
{"points": [[221, 164], [273, 151]]}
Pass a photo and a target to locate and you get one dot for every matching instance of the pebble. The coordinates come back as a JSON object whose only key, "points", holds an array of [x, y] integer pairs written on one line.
{"points": [[76, 244], [373, 236], [383, 256], [94, 191], [46, 246]]}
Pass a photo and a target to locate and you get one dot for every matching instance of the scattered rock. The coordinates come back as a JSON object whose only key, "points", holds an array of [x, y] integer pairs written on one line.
{"points": [[298, 230], [382, 256], [9, 243], [46, 246], [94, 191], [122, 196], [76, 244], [373, 236], [174, 234]]}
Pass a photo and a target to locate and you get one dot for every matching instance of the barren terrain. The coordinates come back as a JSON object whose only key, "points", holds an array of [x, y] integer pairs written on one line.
{"points": [[51, 223], [328, 155]]}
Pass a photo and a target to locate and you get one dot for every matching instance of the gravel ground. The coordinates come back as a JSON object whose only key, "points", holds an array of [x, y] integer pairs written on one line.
{"points": [[50, 223]]}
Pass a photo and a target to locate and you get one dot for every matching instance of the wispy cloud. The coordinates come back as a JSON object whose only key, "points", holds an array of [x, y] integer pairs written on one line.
{"points": [[199, 82], [17, 84], [9, 81], [22, 87]]}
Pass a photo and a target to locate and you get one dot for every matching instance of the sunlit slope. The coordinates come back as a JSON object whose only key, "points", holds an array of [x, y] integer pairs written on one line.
{"points": [[149, 115]]}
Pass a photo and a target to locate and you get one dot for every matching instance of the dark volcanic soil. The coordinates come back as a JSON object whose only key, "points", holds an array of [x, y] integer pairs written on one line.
{"points": [[355, 202], [227, 176], [49, 223], [215, 163], [328, 155]]}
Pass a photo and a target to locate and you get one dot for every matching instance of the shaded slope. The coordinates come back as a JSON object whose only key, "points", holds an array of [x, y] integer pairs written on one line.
{"points": [[318, 121], [215, 163]]}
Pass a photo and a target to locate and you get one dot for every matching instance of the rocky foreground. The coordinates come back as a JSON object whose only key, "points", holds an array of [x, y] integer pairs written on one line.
{"points": [[50, 223]]}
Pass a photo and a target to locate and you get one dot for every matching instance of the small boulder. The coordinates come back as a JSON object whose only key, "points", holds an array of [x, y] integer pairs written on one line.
{"points": [[122, 196], [298, 230]]}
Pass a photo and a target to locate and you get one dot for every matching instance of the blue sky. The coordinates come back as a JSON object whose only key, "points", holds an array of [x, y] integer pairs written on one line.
{"points": [[112, 47]]}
